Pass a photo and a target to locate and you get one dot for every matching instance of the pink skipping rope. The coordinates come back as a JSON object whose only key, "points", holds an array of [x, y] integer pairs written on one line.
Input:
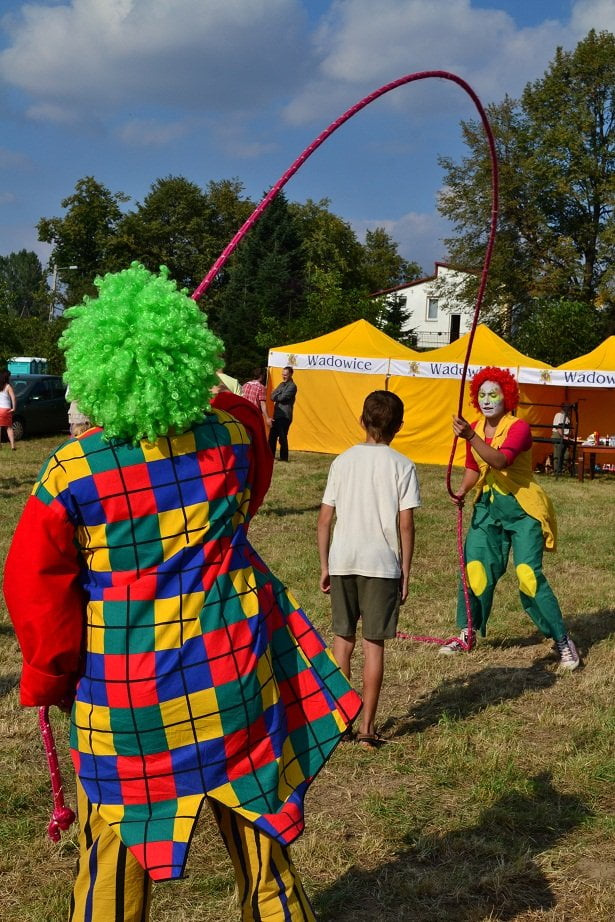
{"points": [[264, 204], [63, 816]]}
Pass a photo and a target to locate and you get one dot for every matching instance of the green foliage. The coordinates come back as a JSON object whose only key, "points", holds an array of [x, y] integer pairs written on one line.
{"points": [[558, 331], [180, 226], [394, 317], [23, 289], [169, 228], [265, 292], [383, 267], [84, 237], [329, 244], [32, 336], [556, 151], [300, 272]]}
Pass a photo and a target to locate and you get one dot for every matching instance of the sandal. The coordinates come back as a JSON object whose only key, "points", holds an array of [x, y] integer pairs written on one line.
{"points": [[370, 740], [347, 736]]}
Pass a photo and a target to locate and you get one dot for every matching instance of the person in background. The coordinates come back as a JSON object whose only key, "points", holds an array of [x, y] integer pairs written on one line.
{"points": [[189, 671], [254, 391], [283, 396], [8, 405], [373, 492], [78, 422], [559, 434], [510, 510], [227, 383]]}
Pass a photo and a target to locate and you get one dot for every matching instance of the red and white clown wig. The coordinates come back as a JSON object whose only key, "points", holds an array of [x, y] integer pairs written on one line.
{"points": [[501, 376]]}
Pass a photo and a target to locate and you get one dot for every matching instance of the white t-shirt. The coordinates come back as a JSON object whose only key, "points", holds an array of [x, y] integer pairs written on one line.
{"points": [[561, 419], [368, 485]]}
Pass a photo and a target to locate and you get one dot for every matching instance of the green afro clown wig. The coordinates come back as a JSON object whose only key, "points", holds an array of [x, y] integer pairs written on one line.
{"points": [[140, 359]]}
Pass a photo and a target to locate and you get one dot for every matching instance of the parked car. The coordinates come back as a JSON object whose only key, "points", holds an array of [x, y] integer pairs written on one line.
{"points": [[41, 405]]}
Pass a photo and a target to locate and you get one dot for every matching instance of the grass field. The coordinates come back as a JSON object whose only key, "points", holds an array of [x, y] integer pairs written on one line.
{"points": [[494, 796]]}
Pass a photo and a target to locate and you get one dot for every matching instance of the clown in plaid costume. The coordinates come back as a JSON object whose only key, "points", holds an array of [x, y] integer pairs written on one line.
{"points": [[194, 672]]}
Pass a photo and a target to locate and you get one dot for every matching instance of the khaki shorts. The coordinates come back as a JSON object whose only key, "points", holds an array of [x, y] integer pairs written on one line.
{"points": [[374, 600]]}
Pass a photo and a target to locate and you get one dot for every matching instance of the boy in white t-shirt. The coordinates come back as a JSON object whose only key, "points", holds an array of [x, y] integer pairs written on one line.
{"points": [[373, 491]]}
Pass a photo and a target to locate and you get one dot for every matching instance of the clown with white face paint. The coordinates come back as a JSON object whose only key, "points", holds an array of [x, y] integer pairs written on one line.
{"points": [[511, 511], [490, 399]]}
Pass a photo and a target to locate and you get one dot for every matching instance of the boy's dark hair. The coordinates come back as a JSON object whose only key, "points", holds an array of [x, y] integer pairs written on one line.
{"points": [[382, 416]]}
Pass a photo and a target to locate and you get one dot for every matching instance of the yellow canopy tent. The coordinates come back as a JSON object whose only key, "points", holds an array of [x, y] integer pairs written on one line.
{"points": [[429, 387], [588, 381], [334, 374]]}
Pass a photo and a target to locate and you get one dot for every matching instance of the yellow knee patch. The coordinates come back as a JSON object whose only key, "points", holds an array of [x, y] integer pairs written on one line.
{"points": [[477, 577], [527, 579]]}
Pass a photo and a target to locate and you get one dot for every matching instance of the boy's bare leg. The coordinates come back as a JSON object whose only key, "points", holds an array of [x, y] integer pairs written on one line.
{"points": [[373, 671], [343, 648]]}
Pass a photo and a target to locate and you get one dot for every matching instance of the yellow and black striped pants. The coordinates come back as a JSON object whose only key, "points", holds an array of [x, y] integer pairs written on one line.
{"points": [[111, 885]]}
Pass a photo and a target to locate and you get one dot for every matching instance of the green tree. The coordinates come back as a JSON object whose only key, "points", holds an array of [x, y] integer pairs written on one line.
{"points": [[84, 237], [393, 319], [264, 297], [335, 290], [329, 243], [32, 336], [556, 150], [169, 228], [23, 288], [227, 209], [383, 267], [557, 330]]}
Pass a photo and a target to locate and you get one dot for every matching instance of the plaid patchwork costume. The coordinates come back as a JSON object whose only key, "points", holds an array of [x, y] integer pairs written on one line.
{"points": [[196, 672]]}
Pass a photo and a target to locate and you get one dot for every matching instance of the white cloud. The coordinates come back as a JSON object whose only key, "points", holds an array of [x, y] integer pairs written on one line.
{"points": [[362, 45], [52, 112], [7, 198], [417, 234], [101, 54], [592, 14], [232, 140], [152, 132]]}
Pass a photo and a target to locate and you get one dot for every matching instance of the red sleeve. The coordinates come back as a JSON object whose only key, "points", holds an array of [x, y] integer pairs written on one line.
{"points": [[261, 458], [46, 603], [518, 439]]}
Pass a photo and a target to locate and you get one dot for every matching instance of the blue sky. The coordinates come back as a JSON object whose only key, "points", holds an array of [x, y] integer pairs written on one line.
{"points": [[133, 90]]}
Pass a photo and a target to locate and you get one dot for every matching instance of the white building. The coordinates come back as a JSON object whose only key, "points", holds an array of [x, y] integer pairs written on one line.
{"points": [[435, 317]]}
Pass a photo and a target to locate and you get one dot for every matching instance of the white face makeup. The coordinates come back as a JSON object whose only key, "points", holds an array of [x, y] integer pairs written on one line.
{"points": [[490, 399]]}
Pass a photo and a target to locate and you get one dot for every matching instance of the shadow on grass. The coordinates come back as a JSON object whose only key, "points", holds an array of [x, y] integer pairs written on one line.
{"points": [[8, 683], [281, 511], [10, 486], [467, 695], [586, 630], [469, 874]]}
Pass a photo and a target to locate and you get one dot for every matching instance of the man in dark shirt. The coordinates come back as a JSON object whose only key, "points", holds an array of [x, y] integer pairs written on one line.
{"points": [[283, 397]]}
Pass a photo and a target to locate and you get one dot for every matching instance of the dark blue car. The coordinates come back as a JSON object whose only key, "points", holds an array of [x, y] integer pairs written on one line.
{"points": [[41, 405]]}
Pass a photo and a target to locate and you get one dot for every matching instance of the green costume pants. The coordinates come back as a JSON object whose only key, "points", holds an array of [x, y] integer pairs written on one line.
{"points": [[499, 523]]}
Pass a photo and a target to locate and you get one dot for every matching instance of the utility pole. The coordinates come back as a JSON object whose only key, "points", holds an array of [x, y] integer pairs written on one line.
{"points": [[54, 287]]}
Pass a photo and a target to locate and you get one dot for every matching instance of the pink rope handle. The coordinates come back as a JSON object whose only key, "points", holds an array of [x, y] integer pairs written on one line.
{"points": [[266, 201], [62, 816]]}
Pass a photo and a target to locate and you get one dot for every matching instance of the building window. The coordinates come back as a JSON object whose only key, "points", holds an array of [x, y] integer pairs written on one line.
{"points": [[432, 308]]}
